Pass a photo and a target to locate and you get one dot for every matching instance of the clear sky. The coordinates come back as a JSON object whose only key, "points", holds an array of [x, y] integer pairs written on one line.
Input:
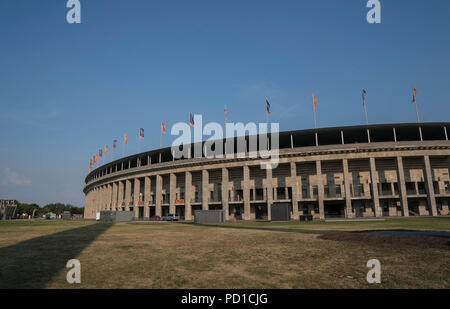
{"points": [[66, 90]]}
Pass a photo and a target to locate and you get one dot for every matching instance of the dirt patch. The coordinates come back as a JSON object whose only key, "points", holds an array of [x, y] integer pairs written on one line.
{"points": [[389, 240]]}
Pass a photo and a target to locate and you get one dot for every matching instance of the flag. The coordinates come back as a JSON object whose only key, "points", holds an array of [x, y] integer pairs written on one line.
{"points": [[114, 144], [125, 139], [314, 101], [141, 133], [95, 158], [267, 107], [414, 95], [106, 149], [226, 116], [191, 120], [163, 128], [364, 97], [100, 152]]}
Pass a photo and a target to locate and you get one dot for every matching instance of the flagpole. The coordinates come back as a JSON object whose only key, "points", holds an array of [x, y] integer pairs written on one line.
{"points": [[315, 121], [417, 112], [365, 114], [160, 139]]}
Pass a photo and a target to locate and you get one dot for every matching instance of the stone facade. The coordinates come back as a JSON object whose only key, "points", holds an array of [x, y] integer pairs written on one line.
{"points": [[358, 180]]}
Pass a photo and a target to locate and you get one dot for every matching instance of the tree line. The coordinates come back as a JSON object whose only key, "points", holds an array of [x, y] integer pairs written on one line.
{"points": [[56, 208]]}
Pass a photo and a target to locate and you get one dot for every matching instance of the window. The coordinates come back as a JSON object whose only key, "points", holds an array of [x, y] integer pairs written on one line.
{"points": [[421, 187], [338, 190], [259, 194], [281, 194], [315, 191], [305, 193], [436, 187], [411, 188]]}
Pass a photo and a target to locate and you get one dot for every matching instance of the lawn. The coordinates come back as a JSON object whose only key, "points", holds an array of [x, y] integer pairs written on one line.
{"points": [[33, 254]]}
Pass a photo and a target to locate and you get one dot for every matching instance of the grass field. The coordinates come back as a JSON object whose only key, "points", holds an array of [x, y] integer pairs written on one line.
{"points": [[33, 254]]}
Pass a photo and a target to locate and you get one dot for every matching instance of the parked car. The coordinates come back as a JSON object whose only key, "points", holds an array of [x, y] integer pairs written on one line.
{"points": [[155, 218], [170, 217]]}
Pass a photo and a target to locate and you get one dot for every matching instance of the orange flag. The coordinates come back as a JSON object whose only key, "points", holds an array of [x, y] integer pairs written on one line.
{"points": [[314, 101], [163, 128], [414, 95], [226, 116], [125, 139], [106, 149]]}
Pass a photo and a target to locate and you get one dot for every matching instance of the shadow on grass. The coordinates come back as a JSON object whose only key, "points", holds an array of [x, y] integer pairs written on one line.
{"points": [[33, 263], [230, 226]]}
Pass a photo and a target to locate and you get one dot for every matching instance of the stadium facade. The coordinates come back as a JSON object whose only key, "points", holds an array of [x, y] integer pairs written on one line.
{"points": [[386, 170]]}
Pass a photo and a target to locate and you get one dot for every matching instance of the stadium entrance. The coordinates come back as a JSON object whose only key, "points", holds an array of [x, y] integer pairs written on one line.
{"points": [[334, 210], [260, 210]]}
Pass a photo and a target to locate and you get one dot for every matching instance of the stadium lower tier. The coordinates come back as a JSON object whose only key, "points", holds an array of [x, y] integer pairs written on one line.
{"points": [[398, 179]]}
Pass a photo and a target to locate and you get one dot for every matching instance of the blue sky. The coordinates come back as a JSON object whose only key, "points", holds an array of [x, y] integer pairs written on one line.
{"points": [[66, 90]]}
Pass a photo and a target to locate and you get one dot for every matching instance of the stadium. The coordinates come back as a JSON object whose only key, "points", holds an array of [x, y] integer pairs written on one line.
{"points": [[370, 171]]}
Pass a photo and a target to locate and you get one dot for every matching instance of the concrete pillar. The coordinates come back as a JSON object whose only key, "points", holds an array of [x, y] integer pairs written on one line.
{"points": [[294, 191], [225, 204], [95, 201], [120, 197], [320, 191], [429, 186], [246, 192], [137, 191], [147, 193], [269, 189], [105, 198], [402, 186], [187, 196], [374, 181], [102, 198], [127, 194], [114, 196], [87, 206], [172, 193], [110, 189], [348, 196], [205, 190], [158, 195], [99, 199]]}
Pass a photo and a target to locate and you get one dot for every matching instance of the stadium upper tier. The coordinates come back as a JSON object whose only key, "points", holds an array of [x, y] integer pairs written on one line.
{"points": [[310, 139]]}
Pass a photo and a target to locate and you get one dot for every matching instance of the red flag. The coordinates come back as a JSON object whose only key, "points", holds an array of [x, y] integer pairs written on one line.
{"points": [[163, 128], [226, 116], [414, 95], [106, 149], [314, 101], [125, 139]]}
